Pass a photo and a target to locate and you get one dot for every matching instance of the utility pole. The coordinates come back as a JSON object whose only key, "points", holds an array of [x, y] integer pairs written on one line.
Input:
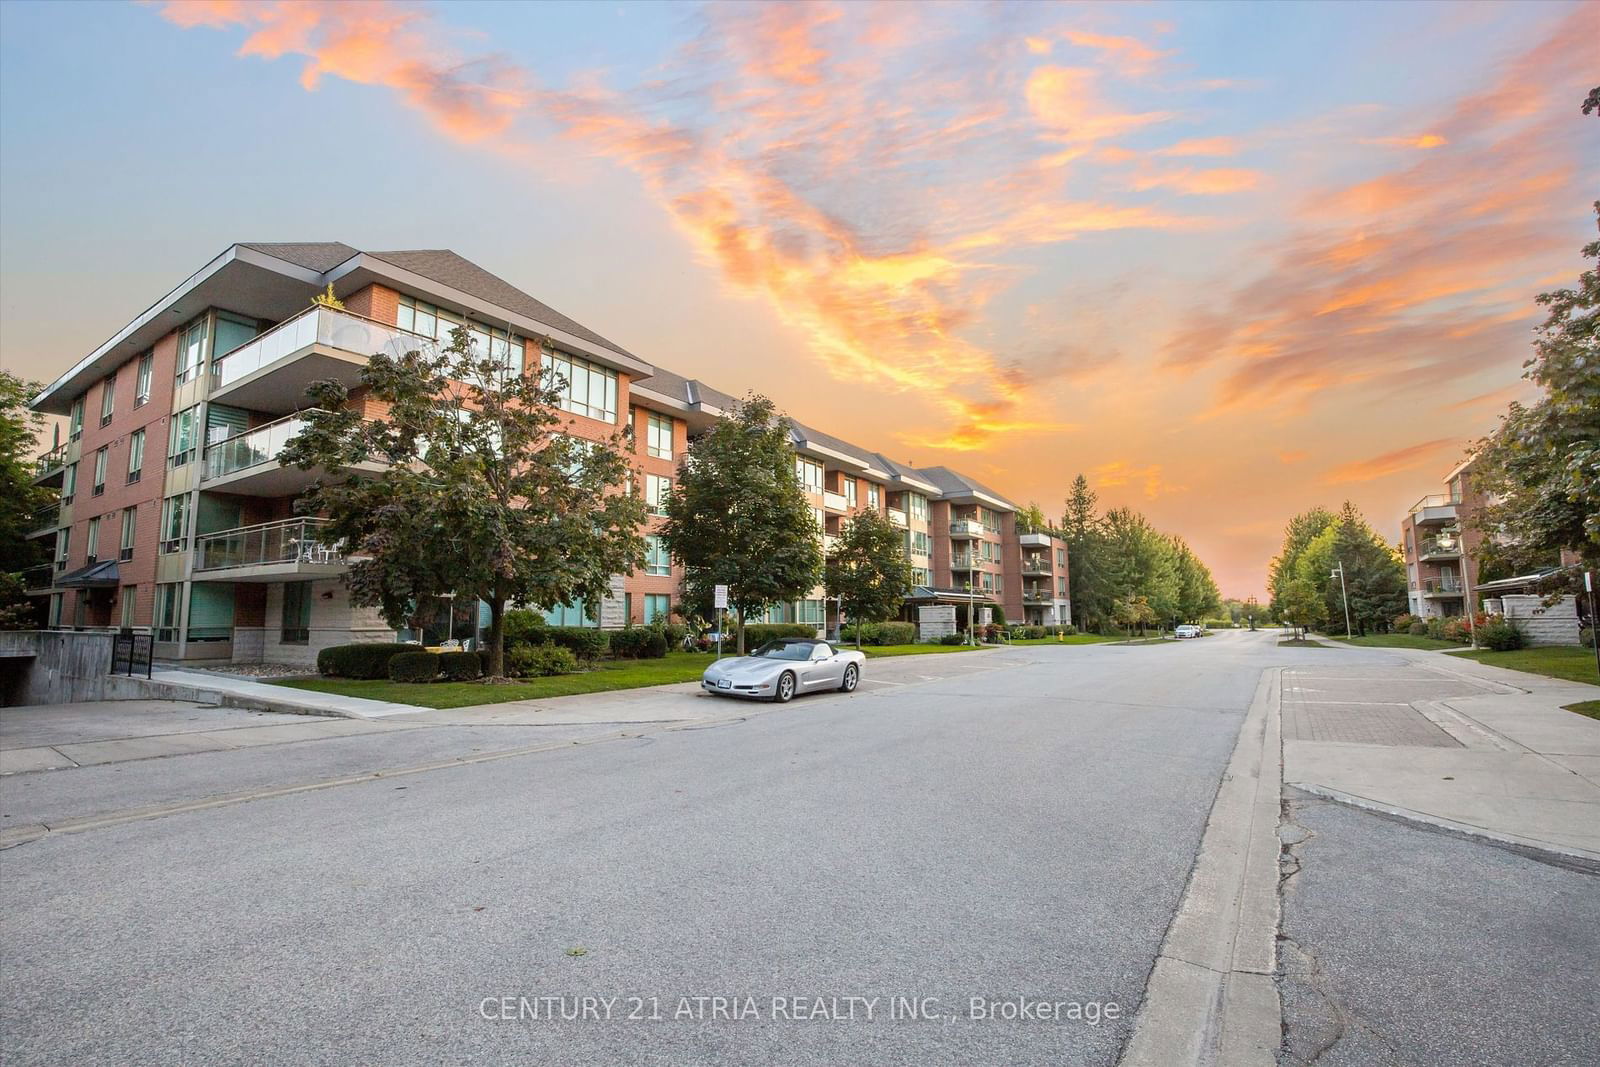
{"points": [[1338, 572]]}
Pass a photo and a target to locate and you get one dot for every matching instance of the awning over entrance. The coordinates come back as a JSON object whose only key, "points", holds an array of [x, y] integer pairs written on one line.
{"points": [[102, 575], [928, 594]]}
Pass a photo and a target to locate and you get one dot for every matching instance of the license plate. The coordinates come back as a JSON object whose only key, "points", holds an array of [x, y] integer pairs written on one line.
{"points": [[723, 683]]}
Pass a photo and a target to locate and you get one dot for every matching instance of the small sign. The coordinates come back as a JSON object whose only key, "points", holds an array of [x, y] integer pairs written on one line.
{"points": [[720, 596]]}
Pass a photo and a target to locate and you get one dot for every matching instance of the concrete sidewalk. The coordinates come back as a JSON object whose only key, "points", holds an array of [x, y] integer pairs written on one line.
{"points": [[1449, 742]]}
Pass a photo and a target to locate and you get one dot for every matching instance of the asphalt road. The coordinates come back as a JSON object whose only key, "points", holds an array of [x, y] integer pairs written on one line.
{"points": [[1022, 824]]}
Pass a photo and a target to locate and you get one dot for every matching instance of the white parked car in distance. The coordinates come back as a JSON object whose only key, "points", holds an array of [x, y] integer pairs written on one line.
{"points": [[1187, 630], [780, 669]]}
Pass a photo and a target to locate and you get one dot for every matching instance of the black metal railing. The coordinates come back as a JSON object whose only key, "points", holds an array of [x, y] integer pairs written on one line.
{"points": [[131, 653]]}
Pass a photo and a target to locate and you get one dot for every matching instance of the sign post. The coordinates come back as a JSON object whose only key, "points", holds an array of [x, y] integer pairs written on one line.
{"points": [[1594, 617], [720, 595]]}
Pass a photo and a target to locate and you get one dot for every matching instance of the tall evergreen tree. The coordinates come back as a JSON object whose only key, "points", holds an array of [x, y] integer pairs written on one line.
{"points": [[1082, 530]]}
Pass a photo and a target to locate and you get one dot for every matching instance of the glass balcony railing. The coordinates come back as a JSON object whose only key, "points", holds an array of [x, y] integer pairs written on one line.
{"points": [[1445, 586], [1035, 566], [897, 516], [963, 562], [251, 448], [287, 541], [1429, 548], [318, 325], [966, 528], [835, 501]]}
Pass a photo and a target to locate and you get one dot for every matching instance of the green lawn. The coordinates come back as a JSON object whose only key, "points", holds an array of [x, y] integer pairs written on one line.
{"points": [[1590, 708], [1569, 662], [1074, 639], [915, 650], [608, 675], [1398, 641]]}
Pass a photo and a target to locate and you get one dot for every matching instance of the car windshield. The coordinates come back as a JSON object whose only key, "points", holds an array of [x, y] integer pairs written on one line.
{"points": [[795, 650]]}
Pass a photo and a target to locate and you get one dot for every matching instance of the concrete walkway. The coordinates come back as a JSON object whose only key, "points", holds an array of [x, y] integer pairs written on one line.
{"points": [[1451, 742]]}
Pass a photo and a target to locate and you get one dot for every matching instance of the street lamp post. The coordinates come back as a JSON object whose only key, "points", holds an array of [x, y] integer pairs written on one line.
{"points": [[1338, 572], [452, 598]]}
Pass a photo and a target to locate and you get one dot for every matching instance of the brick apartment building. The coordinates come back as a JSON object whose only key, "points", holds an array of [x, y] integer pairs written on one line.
{"points": [[175, 517], [1440, 542]]}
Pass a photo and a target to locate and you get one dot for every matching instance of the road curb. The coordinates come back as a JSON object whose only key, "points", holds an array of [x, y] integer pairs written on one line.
{"points": [[1211, 998]]}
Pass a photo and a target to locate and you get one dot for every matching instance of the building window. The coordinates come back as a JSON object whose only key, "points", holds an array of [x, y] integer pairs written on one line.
{"points": [[573, 614], [1061, 557], [108, 397], [809, 473], [181, 441], [657, 607], [850, 492], [1061, 588], [191, 350], [130, 602], [165, 619], [808, 611], [99, 472], [584, 388], [135, 456], [141, 380], [91, 545], [656, 491], [76, 427], [916, 505], [69, 483], [175, 523], [656, 559], [872, 495], [63, 547], [421, 317], [919, 576], [659, 435], [296, 613], [916, 543], [130, 524]]}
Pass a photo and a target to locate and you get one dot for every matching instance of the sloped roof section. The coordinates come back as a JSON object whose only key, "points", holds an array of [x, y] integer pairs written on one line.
{"points": [[444, 266], [320, 256], [957, 484]]}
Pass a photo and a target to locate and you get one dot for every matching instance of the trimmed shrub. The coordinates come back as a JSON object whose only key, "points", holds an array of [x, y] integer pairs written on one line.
{"points": [[674, 632], [1586, 637], [540, 661], [880, 633], [523, 627], [1028, 633], [953, 639], [759, 633], [655, 647], [414, 667], [1500, 635], [1404, 622], [628, 643], [366, 660], [584, 642], [460, 666], [998, 616], [1418, 628]]}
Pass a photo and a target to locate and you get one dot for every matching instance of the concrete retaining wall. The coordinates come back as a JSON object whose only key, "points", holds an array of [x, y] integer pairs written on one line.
{"points": [[1540, 625], [56, 666]]}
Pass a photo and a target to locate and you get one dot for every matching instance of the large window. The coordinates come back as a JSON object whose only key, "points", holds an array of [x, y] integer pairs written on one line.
{"points": [[656, 491], [69, 483], [916, 543], [657, 607], [191, 350], [63, 547], [108, 397], [130, 603], [141, 381], [296, 629], [99, 471], [808, 611], [573, 614], [872, 495], [165, 619], [809, 474], [585, 388], [91, 543], [850, 492], [181, 441], [75, 428], [135, 456], [656, 559], [916, 505], [659, 435], [424, 318], [130, 526], [175, 523]]}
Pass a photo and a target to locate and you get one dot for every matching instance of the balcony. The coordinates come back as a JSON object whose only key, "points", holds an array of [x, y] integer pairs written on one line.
{"points": [[966, 528], [830, 544], [1446, 586], [1434, 510], [1432, 549], [897, 517], [285, 551], [1035, 566], [1036, 540], [44, 521], [248, 462], [1036, 594], [835, 502], [963, 561], [271, 372], [38, 580], [48, 469]]}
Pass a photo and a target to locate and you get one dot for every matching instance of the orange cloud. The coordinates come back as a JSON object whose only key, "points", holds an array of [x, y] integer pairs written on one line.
{"points": [[1129, 55], [1401, 459], [1214, 182], [1202, 146], [1295, 456], [1118, 473], [1066, 100], [1427, 140]]}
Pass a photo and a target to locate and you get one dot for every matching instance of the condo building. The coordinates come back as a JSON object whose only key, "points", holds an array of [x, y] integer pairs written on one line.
{"points": [[176, 518], [1439, 541]]}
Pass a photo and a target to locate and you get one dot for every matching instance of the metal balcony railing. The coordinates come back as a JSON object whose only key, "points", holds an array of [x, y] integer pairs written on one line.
{"points": [[1035, 566], [286, 541], [1430, 548], [51, 461], [251, 448], [1443, 586], [963, 562]]}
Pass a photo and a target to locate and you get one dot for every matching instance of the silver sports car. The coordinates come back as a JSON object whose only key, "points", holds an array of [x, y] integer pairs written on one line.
{"points": [[780, 669]]}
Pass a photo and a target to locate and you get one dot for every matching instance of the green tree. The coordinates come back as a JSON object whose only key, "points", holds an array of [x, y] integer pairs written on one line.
{"points": [[1031, 520], [869, 571], [1374, 576], [1541, 467], [20, 501], [1140, 561], [1084, 534], [481, 493], [1131, 611], [1198, 596], [1301, 531], [737, 516], [1302, 606]]}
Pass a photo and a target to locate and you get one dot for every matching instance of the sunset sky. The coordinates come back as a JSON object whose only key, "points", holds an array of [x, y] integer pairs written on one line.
{"points": [[1230, 261]]}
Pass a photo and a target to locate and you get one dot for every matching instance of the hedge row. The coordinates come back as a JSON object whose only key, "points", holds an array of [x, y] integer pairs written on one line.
{"points": [[367, 660], [639, 643], [881, 633], [758, 634]]}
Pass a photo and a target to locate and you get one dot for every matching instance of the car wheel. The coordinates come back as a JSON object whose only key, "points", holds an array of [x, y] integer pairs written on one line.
{"points": [[851, 677], [785, 691]]}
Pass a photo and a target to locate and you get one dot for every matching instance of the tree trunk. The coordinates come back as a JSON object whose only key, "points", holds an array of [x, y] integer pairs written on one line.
{"points": [[496, 667], [738, 624]]}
